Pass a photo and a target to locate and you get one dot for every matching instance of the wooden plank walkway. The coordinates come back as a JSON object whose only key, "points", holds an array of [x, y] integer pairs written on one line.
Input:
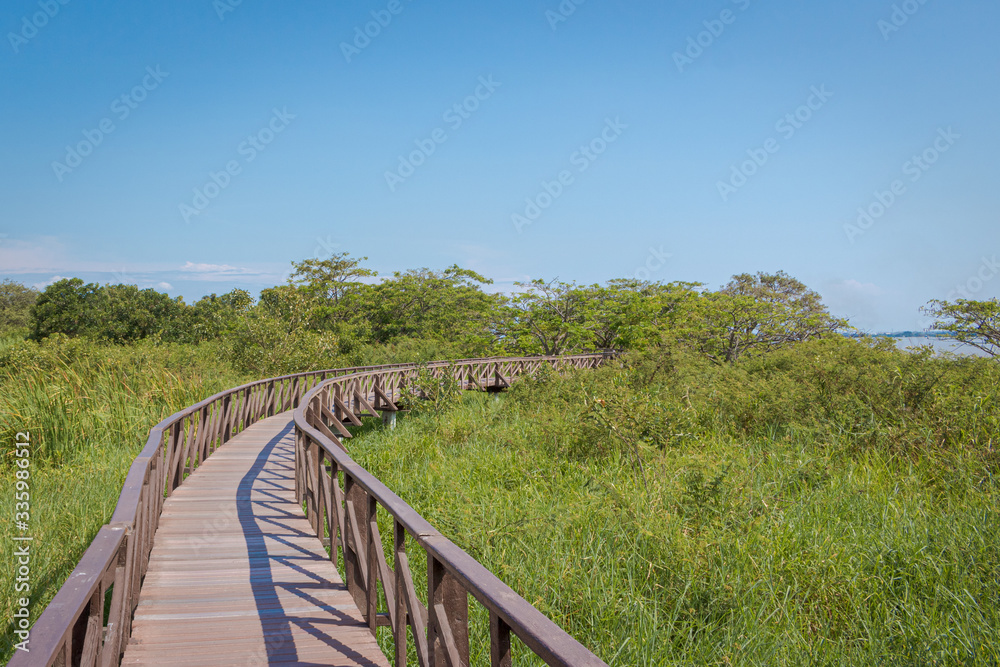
{"points": [[236, 575]]}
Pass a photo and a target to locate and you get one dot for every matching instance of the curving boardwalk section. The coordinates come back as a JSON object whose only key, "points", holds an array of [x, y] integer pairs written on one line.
{"points": [[215, 552], [237, 576]]}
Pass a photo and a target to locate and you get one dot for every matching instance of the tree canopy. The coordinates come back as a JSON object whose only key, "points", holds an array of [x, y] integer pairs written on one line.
{"points": [[337, 308], [16, 301], [975, 323]]}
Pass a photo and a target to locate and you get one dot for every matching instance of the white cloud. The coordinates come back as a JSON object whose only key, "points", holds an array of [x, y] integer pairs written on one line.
{"points": [[35, 259], [43, 255], [49, 255], [42, 285], [192, 267]]}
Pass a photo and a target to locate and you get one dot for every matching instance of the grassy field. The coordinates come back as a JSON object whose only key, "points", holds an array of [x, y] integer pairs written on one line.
{"points": [[88, 409], [834, 503], [859, 528]]}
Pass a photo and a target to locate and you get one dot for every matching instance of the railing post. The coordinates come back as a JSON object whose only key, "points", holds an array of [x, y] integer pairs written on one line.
{"points": [[175, 453], [356, 527], [448, 609], [399, 631], [499, 642], [227, 414], [315, 504], [300, 438], [372, 611], [337, 412]]}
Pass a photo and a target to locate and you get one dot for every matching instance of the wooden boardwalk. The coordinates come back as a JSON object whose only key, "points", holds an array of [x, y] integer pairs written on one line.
{"points": [[237, 576], [223, 567]]}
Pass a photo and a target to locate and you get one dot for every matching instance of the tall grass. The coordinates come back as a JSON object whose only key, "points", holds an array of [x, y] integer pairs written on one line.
{"points": [[88, 409], [828, 533], [832, 504]]}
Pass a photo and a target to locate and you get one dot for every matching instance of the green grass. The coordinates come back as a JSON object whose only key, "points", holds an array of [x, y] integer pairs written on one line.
{"points": [[769, 545], [829, 504]]}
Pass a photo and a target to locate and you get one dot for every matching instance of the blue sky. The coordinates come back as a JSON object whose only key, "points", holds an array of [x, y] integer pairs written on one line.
{"points": [[199, 146]]}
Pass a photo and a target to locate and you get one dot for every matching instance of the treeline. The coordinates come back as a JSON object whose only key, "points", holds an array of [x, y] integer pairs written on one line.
{"points": [[339, 311]]}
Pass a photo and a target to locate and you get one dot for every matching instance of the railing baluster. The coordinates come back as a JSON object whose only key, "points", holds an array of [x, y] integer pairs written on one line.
{"points": [[314, 503], [95, 623], [340, 510], [499, 642], [227, 412], [399, 624], [373, 569], [448, 603], [418, 619], [355, 558]]}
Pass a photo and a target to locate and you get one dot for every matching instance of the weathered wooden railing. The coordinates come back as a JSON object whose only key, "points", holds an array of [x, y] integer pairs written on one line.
{"points": [[348, 517], [74, 629]]}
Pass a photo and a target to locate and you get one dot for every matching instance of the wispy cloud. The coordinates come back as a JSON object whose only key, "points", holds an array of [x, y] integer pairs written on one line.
{"points": [[192, 267], [43, 260], [45, 283], [41, 255]]}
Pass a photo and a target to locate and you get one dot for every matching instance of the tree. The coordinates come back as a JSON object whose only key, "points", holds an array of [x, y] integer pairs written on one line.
{"points": [[757, 313], [337, 297], [444, 305], [550, 317], [975, 323], [66, 306], [16, 301], [330, 279], [126, 314], [273, 338], [630, 314], [212, 316]]}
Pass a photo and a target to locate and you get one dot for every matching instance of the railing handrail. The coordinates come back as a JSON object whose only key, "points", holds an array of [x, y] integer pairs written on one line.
{"points": [[114, 559]]}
